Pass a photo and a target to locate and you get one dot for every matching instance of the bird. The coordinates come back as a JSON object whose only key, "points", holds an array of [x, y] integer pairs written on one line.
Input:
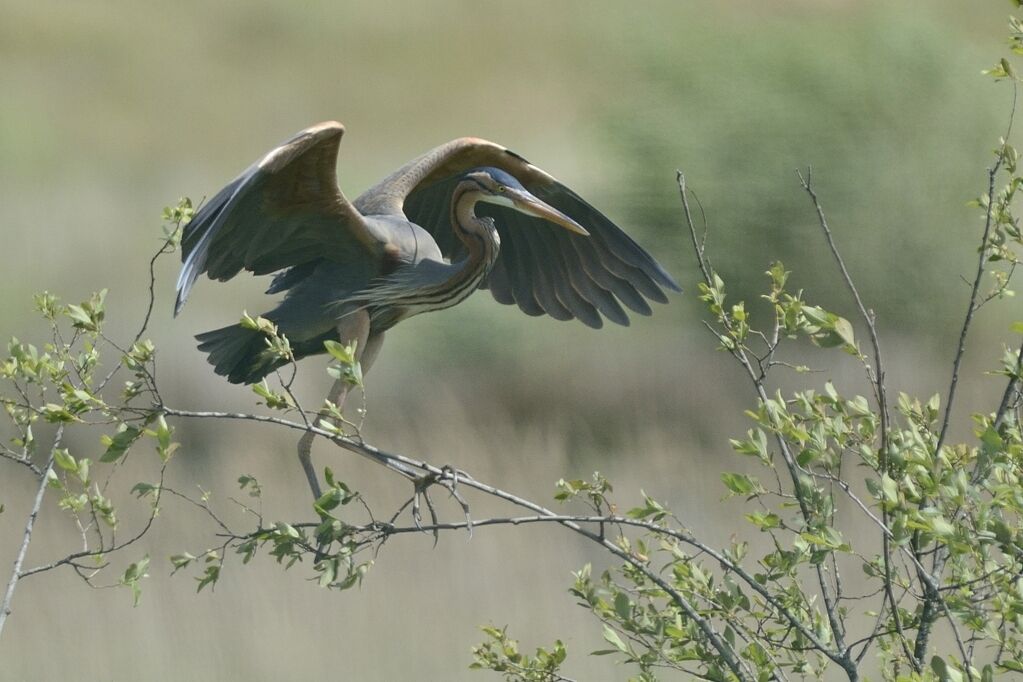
{"points": [[469, 214]]}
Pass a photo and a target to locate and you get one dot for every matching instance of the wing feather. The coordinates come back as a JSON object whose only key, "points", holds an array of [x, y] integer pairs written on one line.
{"points": [[517, 266], [285, 210], [499, 284], [570, 296]]}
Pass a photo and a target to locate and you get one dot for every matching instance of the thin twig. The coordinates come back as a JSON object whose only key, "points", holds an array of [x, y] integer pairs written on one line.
{"points": [[70, 559], [698, 246], [868, 317], [17, 459], [972, 307], [26, 539], [877, 380]]}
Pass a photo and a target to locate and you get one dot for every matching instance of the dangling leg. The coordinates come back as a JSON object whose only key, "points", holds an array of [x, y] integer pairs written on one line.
{"points": [[351, 328], [305, 444]]}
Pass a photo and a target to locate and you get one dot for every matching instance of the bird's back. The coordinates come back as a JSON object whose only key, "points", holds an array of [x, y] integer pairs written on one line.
{"points": [[406, 242]]}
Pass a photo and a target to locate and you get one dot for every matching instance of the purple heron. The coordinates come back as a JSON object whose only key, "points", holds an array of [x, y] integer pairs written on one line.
{"points": [[466, 215]]}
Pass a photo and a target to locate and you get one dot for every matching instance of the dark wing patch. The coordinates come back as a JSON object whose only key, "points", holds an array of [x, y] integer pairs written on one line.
{"points": [[291, 277]]}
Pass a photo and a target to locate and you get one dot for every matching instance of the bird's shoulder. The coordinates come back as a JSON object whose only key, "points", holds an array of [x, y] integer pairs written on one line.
{"points": [[403, 241]]}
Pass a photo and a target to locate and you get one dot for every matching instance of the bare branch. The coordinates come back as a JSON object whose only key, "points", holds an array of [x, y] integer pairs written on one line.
{"points": [[19, 560], [17, 459], [972, 307], [878, 377]]}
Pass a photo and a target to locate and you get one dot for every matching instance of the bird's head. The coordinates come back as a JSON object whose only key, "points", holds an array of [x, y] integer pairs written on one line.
{"points": [[495, 186]]}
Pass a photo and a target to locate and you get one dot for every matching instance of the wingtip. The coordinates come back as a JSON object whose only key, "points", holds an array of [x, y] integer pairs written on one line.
{"points": [[327, 126], [182, 288], [666, 280]]}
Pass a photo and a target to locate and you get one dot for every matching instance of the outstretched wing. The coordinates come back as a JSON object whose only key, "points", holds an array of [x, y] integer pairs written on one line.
{"points": [[541, 267], [284, 210]]}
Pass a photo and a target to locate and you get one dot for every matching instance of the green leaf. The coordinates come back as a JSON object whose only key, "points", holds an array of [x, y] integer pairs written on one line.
{"points": [[140, 490], [119, 443], [764, 520], [942, 527], [343, 354], [828, 330], [274, 400], [247, 482], [885, 491], [740, 484], [623, 607], [260, 324], [54, 413], [944, 672], [328, 501], [80, 318], [180, 561], [614, 640], [83, 470], [132, 575], [64, 460], [844, 330], [209, 577], [779, 275]]}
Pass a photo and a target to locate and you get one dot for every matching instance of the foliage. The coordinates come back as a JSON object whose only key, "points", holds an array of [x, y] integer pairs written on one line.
{"points": [[55, 392], [501, 654]]}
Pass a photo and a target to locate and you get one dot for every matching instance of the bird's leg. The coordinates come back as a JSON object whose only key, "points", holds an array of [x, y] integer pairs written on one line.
{"points": [[337, 395], [351, 328]]}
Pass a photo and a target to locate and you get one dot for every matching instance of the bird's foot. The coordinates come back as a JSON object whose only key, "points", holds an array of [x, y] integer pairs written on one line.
{"points": [[448, 477]]}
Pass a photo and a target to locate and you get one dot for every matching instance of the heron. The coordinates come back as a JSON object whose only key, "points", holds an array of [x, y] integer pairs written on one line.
{"points": [[469, 214]]}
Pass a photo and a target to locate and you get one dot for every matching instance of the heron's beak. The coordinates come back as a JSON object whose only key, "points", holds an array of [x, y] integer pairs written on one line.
{"points": [[525, 202]]}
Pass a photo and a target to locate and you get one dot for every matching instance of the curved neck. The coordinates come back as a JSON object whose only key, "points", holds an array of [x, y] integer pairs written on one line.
{"points": [[478, 234], [454, 282]]}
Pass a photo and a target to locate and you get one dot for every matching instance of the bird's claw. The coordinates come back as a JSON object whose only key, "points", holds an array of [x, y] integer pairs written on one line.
{"points": [[447, 477]]}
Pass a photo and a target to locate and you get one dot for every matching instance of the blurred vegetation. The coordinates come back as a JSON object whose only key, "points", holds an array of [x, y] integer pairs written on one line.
{"points": [[111, 111], [889, 112]]}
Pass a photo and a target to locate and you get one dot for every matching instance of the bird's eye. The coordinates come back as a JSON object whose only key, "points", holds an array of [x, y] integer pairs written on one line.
{"points": [[500, 188]]}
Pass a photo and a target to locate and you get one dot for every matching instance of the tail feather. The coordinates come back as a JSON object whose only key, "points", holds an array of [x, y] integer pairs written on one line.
{"points": [[238, 353], [241, 354]]}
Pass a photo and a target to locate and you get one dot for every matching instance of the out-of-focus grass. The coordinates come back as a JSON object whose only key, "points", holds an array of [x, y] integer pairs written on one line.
{"points": [[112, 110]]}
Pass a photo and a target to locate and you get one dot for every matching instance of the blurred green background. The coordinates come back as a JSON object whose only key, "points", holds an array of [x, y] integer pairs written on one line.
{"points": [[109, 111]]}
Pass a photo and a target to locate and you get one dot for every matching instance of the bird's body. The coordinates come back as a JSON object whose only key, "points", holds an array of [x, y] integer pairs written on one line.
{"points": [[318, 295], [411, 244]]}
